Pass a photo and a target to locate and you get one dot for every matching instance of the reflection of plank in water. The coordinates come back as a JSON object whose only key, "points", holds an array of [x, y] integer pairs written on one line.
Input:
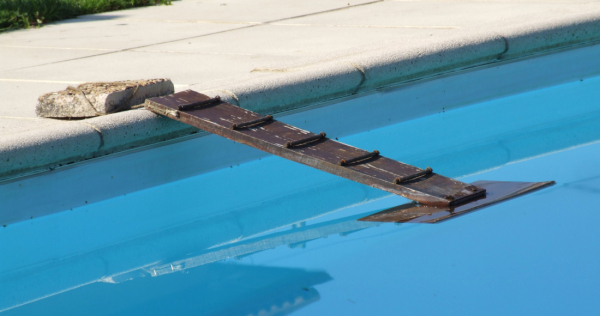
{"points": [[295, 236], [212, 289], [125, 261], [496, 191]]}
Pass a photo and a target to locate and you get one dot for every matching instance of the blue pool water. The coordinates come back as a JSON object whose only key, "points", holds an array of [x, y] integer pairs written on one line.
{"points": [[272, 237]]}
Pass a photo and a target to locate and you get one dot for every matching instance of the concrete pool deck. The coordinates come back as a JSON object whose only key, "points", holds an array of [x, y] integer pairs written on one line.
{"points": [[267, 56]]}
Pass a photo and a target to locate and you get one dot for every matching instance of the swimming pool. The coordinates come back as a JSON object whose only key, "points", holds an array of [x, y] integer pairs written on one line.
{"points": [[272, 237]]}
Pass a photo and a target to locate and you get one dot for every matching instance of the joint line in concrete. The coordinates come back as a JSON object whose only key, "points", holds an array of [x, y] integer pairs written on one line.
{"points": [[237, 100], [362, 79], [23, 118], [97, 130], [505, 47]]}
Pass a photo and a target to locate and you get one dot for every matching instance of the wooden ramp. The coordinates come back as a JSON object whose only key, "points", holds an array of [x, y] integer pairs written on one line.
{"points": [[316, 150], [438, 197]]}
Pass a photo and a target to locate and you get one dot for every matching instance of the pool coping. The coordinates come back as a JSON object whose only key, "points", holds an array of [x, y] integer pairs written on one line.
{"points": [[296, 87]]}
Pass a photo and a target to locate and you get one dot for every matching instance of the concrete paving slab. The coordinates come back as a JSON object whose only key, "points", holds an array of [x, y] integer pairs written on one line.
{"points": [[228, 11], [97, 37], [293, 41], [98, 34], [235, 54], [181, 68], [442, 14], [15, 125], [20, 96], [21, 56], [152, 25], [184, 69], [395, 61]]}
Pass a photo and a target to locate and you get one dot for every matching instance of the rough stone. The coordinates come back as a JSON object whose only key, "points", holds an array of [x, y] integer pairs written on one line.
{"points": [[100, 98]]}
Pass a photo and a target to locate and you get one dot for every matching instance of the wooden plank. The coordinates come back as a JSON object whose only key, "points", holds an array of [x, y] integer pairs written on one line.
{"points": [[324, 154]]}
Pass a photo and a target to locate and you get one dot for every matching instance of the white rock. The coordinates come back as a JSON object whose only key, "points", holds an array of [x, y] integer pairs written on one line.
{"points": [[100, 98]]}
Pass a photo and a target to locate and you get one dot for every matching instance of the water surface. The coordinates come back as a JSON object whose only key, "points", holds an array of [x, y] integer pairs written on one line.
{"points": [[272, 237]]}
